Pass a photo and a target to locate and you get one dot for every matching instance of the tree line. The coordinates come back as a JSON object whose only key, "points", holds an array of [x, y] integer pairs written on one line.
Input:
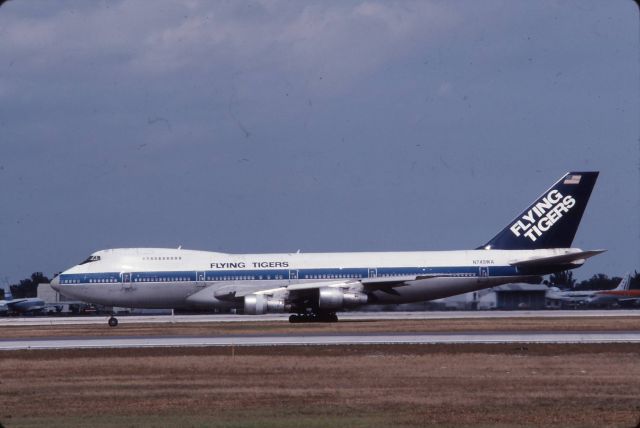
{"points": [[27, 287], [599, 281]]}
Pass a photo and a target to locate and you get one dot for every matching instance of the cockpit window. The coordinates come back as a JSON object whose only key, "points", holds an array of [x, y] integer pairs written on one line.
{"points": [[91, 259]]}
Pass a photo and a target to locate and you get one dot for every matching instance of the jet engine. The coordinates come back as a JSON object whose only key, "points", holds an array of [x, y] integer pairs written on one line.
{"points": [[258, 304], [335, 298]]}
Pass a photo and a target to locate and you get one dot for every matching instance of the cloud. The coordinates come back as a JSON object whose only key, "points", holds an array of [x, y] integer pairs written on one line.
{"points": [[331, 41]]}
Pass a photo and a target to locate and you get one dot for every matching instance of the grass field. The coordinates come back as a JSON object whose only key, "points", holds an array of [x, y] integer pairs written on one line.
{"points": [[345, 386]]}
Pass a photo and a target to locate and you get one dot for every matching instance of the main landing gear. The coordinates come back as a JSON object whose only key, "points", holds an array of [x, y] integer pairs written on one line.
{"points": [[113, 321], [313, 317]]}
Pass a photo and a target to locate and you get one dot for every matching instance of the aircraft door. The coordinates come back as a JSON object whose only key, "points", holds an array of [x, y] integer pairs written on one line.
{"points": [[293, 275], [200, 279], [126, 280], [373, 272], [483, 273]]}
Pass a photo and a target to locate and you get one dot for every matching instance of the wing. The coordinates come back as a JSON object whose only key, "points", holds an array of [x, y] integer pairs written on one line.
{"points": [[237, 292], [14, 302]]}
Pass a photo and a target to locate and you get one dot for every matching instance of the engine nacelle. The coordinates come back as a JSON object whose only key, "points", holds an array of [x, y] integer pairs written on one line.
{"points": [[335, 298], [258, 304]]}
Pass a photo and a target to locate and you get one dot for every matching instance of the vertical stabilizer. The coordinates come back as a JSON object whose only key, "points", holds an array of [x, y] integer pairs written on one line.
{"points": [[552, 220], [624, 284]]}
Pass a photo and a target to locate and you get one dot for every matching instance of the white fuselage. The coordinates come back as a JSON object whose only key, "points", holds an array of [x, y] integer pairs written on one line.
{"points": [[177, 278]]}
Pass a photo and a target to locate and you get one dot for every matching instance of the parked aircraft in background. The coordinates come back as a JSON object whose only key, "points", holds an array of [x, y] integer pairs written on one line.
{"points": [[621, 295], [594, 297], [22, 306], [313, 287]]}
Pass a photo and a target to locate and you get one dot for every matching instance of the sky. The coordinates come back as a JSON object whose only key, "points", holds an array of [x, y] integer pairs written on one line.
{"points": [[276, 126]]}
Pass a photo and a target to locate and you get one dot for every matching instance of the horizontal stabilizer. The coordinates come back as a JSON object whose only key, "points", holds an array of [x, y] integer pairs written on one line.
{"points": [[564, 259]]}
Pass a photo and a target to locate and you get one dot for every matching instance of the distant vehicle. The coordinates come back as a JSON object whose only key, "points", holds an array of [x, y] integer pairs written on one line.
{"points": [[27, 305], [313, 287], [594, 297], [89, 310]]}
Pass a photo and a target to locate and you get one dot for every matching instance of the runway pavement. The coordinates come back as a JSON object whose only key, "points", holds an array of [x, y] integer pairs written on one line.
{"points": [[346, 316], [346, 338], [318, 340]]}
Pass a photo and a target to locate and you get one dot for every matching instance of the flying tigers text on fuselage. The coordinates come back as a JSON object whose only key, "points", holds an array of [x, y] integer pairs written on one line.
{"points": [[243, 265]]}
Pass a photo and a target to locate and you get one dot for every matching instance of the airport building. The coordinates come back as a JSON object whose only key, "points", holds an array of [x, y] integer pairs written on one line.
{"points": [[481, 300], [521, 296], [503, 297], [49, 295]]}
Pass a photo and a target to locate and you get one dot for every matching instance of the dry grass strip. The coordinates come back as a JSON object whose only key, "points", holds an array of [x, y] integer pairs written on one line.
{"points": [[356, 386]]}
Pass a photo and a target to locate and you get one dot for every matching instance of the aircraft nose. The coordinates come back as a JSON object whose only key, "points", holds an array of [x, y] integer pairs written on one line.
{"points": [[55, 282]]}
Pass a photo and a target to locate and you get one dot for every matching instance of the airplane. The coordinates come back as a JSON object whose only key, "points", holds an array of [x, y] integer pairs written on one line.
{"points": [[314, 287], [623, 298], [620, 295], [592, 297], [22, 306]]}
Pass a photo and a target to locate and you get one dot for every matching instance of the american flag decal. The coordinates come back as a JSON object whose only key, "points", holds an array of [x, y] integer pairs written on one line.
{"points": [[572, 179]]}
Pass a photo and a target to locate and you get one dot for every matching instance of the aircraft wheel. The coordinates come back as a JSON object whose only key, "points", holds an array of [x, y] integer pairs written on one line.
{"points": [[113, 322], [326, 317], [294, 319]]}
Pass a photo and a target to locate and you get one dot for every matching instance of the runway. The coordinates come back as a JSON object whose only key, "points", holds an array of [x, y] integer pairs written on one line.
{"points": [[245, 330], [346, 316], [324, 340]]}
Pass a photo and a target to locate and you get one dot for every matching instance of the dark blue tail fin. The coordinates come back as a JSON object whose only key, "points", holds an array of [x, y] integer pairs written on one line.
{"points": [[552, 220]]}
